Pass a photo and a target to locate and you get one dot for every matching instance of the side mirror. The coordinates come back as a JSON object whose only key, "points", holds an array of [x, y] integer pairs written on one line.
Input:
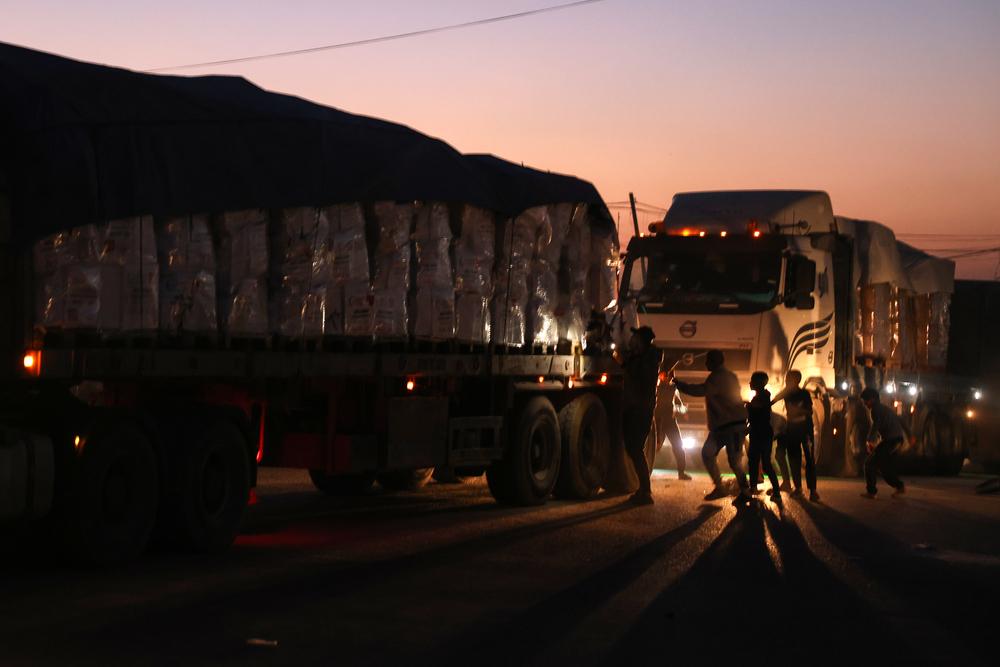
{"points": [[800, 281]]}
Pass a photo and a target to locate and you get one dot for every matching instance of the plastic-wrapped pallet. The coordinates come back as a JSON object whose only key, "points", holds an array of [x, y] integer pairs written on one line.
{"points": [[391, 283], [68, 278], [243, 264], [545, 302], [348, 297], [301, 271], [903, 329], [603, 283], [129, 247], [434, 300], [474, 259], [187, 275], [874, 327], [519, 241], [933, 316], [574, 309]]}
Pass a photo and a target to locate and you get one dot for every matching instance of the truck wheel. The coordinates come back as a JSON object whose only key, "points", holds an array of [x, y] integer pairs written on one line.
{"points": [[586, 448], [530, 467], [405, 480], [342, 485], [211, 489], [113, 500], [944, 444]]}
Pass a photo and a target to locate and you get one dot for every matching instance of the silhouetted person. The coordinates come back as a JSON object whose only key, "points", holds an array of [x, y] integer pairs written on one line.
{"points": [[727, 418], [881, 458], [642, 365], [761, 434], [797, 442], [664, 423]]}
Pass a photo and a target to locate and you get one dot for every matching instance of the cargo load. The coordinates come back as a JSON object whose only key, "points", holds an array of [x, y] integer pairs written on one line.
{"points": [[474, 257], [434, 297], [243, 270], [300, 240], [348, 296], [187, 275], [391, 281]]}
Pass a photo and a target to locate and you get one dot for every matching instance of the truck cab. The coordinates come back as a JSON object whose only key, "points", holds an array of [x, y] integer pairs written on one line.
{"points": [[748, 273]]}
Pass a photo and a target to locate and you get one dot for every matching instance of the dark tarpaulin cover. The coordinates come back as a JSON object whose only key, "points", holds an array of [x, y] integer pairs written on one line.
{"points": [[82, 143], [521, 188]]}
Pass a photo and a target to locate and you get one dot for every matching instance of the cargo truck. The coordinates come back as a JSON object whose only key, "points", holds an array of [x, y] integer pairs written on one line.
{"points": [[200, 277], [778, 282]]}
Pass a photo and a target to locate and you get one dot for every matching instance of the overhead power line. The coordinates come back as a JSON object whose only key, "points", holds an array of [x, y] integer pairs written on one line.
{"points": [[383, 38]]}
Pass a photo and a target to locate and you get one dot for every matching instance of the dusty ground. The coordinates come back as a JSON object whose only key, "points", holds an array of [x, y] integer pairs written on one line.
{"points": [[444, 576]]}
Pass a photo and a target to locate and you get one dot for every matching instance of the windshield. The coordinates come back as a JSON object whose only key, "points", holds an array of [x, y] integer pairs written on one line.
{"points": [[700, 279]]}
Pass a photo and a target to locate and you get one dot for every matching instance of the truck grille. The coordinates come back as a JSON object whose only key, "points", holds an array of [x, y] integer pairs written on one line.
{"points": [[693, 358]]}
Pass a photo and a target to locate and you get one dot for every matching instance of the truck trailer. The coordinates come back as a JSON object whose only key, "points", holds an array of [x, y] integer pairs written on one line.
{"points": [[778, 282], [201, 277]]}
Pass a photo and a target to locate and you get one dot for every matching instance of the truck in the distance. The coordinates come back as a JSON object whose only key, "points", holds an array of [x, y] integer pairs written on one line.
{"points": [[778, 282], [200, 277]]}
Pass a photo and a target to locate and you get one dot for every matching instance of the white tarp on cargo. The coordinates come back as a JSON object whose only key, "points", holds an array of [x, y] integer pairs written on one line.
{"points": [[927, 274], [876, 253]]}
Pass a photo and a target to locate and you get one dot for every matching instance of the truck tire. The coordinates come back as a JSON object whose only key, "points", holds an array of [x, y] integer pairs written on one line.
{"points": [[211, 489], [113, 500], [405, 480], [530, 467], [945, 444], [586, 448], [342, 485]]}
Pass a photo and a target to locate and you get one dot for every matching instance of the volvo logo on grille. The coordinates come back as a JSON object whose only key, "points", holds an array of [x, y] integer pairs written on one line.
{"points": [[689, 328]]}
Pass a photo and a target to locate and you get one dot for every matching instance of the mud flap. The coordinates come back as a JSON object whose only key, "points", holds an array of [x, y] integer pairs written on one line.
{"points": [[26, 475]]}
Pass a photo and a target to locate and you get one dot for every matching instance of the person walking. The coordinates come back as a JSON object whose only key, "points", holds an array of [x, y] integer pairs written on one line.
{"points": [[726, 416], [761, 435], [642, 365], [798, 440], [884, 438], [664, 422]]}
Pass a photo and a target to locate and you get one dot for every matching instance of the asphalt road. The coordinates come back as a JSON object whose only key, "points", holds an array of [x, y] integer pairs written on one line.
{"points": [[444, 576]]}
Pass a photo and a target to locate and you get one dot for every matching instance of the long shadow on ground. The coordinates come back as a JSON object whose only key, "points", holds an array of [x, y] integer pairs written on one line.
{"points": [[544, 623], [739, 604], [961, 597]]}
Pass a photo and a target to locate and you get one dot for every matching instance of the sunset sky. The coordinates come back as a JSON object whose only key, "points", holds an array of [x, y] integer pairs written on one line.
{"points": [[893, 107]]}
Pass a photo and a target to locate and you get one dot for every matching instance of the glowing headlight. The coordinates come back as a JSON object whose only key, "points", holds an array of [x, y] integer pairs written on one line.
{"points": [[890, 388]]}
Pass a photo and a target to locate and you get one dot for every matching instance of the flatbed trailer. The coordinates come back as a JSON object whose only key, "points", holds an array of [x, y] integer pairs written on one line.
{"points": [[124, 440]]}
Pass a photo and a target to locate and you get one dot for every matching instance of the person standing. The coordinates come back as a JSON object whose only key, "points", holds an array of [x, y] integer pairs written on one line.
{"points": [[761, 435], [798, 440], [642, 365], [664, 423], [887, 431], [726, 416]]}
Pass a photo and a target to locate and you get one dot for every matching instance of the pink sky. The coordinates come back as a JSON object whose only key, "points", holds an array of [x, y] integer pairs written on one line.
{"points": [[893, 107]]}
